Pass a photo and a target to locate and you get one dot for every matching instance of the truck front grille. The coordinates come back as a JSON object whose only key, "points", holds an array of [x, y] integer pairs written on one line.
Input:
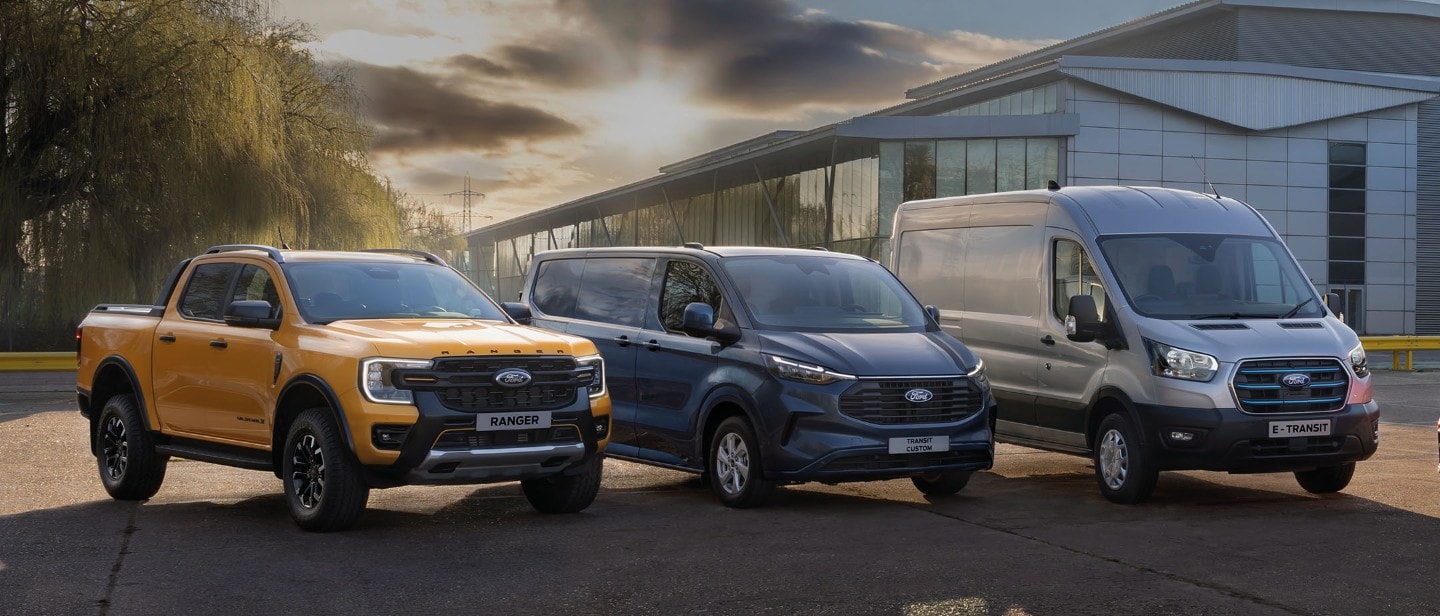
{"points": [[1261, 388], [468, 383], [890, 402]]}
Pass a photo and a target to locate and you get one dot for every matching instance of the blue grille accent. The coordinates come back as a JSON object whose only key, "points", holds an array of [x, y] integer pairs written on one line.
{"points": [[1259, 389]]}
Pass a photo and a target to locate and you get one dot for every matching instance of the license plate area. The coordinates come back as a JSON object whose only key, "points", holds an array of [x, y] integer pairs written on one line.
{"points": [[523, 420], [1298, 428], [919, 444]]}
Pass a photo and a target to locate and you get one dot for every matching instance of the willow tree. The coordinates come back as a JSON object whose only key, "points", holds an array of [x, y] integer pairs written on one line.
{"points": [[138, 132]]}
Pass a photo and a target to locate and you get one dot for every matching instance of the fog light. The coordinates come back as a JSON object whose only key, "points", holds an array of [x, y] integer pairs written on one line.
{"points": [[389, 437], [1181, 436], [602, 427]]}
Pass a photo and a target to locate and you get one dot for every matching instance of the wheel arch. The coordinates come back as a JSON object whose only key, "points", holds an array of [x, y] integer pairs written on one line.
{"points": [[1109, 400], [302, 392], [720, 406], [114, 377]]}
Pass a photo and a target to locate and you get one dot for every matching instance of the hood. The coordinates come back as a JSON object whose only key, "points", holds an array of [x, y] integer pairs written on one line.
{"points": [[874, 353], [435, 337], [1258, 338]]}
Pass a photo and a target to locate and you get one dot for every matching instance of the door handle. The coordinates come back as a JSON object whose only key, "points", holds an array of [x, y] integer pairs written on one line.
{"points": [[167, 337], [1048, 340], [653, 345], [219, 344], [623, 341]]}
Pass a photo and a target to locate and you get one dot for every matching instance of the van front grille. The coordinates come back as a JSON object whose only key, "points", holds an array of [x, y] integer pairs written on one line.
{"points": [[468, 383], [1291, 386], [911, 402]]}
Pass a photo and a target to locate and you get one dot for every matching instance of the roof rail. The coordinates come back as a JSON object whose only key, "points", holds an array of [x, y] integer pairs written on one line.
{"points": [[269, 250], [414, 253]]}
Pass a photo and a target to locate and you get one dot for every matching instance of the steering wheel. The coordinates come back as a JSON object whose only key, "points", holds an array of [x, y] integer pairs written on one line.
{"points": [[433, 309], [853, 308]]}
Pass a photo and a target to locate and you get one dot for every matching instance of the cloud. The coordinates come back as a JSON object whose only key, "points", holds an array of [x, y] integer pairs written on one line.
{"points": [[418, 111], [568, 64]]}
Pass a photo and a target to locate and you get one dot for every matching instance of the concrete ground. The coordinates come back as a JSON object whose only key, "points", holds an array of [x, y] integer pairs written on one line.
{"points": [[1031, 537]]}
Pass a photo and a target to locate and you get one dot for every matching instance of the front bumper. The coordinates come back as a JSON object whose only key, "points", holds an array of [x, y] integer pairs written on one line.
{"points": [[1233, 441], [443, 447]]}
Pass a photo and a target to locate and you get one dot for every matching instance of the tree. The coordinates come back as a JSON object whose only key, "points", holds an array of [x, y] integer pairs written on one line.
{"points": [[136, 133]]}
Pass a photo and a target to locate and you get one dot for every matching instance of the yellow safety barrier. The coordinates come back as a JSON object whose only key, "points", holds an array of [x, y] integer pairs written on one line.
{"points": [[1398, 345], [49, 362]]}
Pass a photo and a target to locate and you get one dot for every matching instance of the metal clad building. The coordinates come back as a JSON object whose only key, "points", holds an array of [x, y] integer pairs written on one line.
{"points": [[1323, 114]]}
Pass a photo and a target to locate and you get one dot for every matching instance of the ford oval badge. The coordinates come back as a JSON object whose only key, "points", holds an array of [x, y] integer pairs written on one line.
{"points": [[919, 395], [512, 378], [1295, 381]]}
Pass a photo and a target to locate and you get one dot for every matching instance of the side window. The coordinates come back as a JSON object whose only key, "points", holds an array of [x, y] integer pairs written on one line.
{"points": [[1074, 274], [685, 282], [205, 293], [557, 287], [256, 284], [615, 291]]}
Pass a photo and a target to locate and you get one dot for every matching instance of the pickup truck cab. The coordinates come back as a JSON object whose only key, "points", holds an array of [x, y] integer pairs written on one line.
{"points": [[339, 372]]}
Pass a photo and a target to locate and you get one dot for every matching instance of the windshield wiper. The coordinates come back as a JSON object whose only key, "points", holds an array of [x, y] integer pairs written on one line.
{"points": [[1298, 307], [1232, 315]]}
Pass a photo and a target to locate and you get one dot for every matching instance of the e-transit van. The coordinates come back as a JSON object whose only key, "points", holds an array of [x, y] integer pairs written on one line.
{"points": [[758, 366], [1150, 328]]}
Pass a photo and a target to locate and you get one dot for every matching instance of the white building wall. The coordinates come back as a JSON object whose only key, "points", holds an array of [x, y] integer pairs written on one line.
{"points": [[1283, 173]]}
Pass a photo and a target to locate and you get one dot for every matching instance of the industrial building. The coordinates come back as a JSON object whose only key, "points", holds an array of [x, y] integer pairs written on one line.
{"points": [[1323, 114]]}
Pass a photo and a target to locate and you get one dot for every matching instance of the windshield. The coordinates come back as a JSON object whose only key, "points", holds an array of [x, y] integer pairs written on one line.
{"points": [[822, 293], [337, 291], [1199, 276]]}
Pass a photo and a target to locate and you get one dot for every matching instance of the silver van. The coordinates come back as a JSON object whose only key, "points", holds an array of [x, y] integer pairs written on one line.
{"points": [[1152, 329]]}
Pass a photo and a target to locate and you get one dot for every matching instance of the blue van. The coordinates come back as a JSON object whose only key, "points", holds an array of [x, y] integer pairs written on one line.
{"points": [[762, 366]]}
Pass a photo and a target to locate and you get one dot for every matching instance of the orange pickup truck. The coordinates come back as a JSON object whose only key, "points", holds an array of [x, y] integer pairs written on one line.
{"points": [[339, 372]]}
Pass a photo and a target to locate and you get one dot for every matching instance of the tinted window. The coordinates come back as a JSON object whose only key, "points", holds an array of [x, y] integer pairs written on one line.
{"points": [[256, 284], [686, 282], [329, 292], [205, 293], [557, 286], [1197, 276], [615, 290]]}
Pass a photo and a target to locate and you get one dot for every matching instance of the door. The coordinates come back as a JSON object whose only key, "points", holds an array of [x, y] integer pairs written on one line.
{"points": [[615, 293], [248, 371], [184, 360], [672, 367], [1068, 370]]}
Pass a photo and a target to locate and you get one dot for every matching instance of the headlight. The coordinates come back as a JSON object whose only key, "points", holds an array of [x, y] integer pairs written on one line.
{"points": [[978, 375], [595, 383], [1358, 362], [378, 386], [1174, 363], [805, 373]]}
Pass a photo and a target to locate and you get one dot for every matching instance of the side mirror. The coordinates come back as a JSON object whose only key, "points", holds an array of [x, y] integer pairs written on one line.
{"points": [[1083, 323], [699, 320], [518, 311], [251, 313], [1332, 301], [933, 312]]}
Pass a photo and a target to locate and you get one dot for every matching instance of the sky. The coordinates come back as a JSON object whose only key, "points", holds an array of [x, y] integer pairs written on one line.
{"points": [[546, 101]]}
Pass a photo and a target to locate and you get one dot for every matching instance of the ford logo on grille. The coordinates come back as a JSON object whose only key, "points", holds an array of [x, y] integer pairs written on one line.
{"points": [[512, 378], [919, 395], [1295, 381]]}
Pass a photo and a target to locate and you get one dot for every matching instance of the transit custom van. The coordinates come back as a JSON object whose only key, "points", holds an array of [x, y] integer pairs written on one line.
{"points": [[1152, 329], [758, 366]]}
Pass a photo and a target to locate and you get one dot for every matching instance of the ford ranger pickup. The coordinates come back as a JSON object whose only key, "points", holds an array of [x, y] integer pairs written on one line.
{"points": [[340, 372]]}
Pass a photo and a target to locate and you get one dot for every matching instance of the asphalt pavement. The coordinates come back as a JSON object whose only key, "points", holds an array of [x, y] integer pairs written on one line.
{"points": [[1033, 536]]}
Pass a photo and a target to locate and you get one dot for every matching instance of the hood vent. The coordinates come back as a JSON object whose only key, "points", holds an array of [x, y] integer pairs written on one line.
{"points": [[1215, 326], [1302, 325]]}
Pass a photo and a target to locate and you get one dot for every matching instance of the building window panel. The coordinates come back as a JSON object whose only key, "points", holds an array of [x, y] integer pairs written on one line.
{"points": [[1042, 162], [980, 166], [1010, 164], [1342, 176], [1347, 201], [1347, 225], [1347, 248], [950, 168], [1347, 153], [1347, 272], [919, 170]]}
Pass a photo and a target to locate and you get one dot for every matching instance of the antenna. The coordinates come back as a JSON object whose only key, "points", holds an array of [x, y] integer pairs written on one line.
{"points": [[465, 194], [1205, 176], [281, 233]]}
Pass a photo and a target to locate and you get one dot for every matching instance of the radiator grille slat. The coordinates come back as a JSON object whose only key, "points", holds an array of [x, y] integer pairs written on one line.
{"points": [[885, 402], [1260, 386]]}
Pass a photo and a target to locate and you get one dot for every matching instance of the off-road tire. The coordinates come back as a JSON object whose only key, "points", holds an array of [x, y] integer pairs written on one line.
{"points": [[324, 488], [566, 493], [130, 468]]}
